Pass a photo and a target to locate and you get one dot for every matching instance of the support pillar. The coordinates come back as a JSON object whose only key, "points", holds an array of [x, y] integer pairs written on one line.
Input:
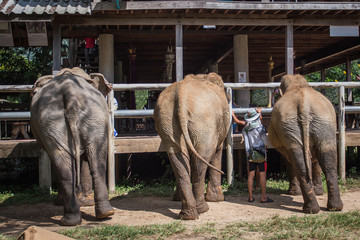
{"points": [[341, 129], [106, 56], [179, 52], [44, 171], [241, 68], [348, 79], [56, 48], [106, 67], [289, 49]]}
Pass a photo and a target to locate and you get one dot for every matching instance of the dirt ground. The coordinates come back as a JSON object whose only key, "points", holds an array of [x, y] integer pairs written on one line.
{"points": [[161, 210]]}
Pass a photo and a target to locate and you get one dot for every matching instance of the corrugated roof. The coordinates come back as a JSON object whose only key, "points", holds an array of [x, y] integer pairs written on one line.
{"points": [[8, 7]]}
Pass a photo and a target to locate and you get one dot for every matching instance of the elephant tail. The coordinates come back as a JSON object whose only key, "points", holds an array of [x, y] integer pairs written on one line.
{"points": [[306, 146], [184, 115], [72, 111]]}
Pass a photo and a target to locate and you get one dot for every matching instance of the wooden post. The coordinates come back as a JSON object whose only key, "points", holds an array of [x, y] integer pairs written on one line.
{"points": [[56, 48], [111, 153], [241, 68], [348, 79], [179, 52], [322, 79], [229, 144], [341, 121], [71, 53], [106, 56], [289, 49], [44, 170]]}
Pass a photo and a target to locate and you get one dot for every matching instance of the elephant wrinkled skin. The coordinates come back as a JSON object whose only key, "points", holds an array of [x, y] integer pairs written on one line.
{"points": [[303, 129], [192, 118], [69, 117]]}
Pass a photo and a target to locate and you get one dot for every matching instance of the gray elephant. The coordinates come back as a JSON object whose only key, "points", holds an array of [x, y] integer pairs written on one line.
{"points": [[192, 118], [294, 183], [69, 117], [303, 129]]}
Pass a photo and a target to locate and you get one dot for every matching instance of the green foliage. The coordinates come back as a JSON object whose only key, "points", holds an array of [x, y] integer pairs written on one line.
{"points": [[259, 97], [141, 97], [21, 66], [126, 232], [338, 74]]}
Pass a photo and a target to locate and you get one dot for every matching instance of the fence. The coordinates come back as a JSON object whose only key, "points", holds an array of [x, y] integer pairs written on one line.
{"points": [[341, 110]]}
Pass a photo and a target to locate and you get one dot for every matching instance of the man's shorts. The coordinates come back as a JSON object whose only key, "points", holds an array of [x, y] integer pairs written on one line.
{"points": [[262, 166]]}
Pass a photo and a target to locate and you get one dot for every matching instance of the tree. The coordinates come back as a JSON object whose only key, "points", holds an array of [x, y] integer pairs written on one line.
{"points": [[21, 66]]}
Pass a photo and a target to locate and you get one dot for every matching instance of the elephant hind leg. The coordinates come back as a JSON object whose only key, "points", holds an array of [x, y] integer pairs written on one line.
{"points": [[97, 163], [198, 171], [182, 171], [294, 184], [66, 172], [327, 161], [310, 202], [86, 196], [316, 178], [214, 191]]}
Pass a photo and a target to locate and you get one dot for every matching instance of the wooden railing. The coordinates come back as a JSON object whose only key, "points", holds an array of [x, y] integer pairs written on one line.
{"points": [[44, 161]]}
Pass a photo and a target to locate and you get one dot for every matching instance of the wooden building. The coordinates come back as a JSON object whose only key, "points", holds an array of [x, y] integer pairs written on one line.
{"points": [[226, 36], [244, 41]]}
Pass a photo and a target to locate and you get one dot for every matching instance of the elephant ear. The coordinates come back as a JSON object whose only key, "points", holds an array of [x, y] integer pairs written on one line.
{"points": [[216, 79], [40, 82], [290, 82], [98, 81]]}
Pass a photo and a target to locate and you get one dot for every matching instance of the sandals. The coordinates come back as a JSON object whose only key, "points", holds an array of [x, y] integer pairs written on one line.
{"points": [[253, 200], [268, 200]]}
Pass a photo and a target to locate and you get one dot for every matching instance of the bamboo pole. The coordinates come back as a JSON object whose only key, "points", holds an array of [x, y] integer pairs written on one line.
{"points": [[229, 144], [111, 152], [341, 122]]}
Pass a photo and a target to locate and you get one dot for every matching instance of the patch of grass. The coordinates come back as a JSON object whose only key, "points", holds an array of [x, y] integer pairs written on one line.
{"points": [[143, 189], [34, 194], [13, 195], [208, 228], [323, 226], [349, 183], [126, 232], [236, 188], [278, 186], [2, 237]]}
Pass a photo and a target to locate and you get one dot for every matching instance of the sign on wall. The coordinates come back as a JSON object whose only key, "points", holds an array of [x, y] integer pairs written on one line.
{"points": [[37, 34], [6, 38], [242, 77], [344, 31]]}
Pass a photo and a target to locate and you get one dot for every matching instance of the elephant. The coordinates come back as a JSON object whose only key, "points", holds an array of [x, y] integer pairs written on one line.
{"points": [[303, 129], [294, 184], [192, 117], [69, 118]]}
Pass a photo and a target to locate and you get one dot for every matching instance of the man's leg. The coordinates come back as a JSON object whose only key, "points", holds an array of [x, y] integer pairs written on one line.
{"points": [[251, 174], [257, 176], [263, 185]]}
